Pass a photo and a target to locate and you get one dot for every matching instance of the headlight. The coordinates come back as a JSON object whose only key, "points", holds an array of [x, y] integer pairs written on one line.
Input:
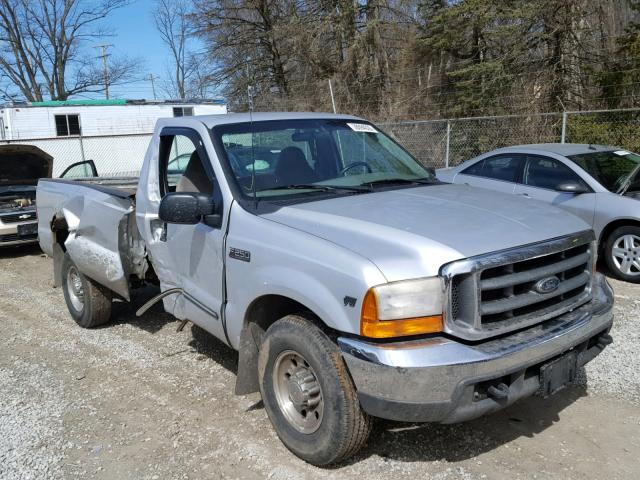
{"points": [[403, 308]]}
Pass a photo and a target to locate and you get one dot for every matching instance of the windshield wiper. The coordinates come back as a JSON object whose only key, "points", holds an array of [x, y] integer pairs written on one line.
{"points": [[400, 181], [628, 181], [313, 186]]}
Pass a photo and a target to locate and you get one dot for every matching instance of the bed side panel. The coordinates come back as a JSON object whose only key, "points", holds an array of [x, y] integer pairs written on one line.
{"points": [[97, 224]]}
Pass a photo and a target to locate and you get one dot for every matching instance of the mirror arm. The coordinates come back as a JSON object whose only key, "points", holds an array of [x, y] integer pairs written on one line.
{"points": [[214, 220]]}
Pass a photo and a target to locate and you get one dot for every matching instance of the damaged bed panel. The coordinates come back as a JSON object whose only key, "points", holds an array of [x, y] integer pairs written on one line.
{"points": [[96, 228]]}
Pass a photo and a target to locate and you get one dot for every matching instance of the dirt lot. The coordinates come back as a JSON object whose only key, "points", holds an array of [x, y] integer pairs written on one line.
{"points": [[137, 400]]}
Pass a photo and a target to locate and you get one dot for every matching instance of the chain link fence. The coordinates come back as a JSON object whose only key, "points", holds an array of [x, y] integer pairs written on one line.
{"points": [[114, 155], [446, 143], [436, 143]]}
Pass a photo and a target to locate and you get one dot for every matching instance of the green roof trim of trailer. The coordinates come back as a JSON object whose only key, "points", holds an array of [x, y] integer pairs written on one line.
{"points": [[61, 103]]}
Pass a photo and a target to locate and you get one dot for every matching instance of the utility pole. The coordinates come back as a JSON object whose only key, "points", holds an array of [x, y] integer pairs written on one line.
{"points": [[151, 77], [104, 56]]}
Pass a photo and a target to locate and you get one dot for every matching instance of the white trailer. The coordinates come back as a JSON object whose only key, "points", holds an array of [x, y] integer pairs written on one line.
{"points": [[112, 133]]}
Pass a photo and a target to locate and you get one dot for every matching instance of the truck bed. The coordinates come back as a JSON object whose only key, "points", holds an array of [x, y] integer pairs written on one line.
{"points": [[116, 186], [94, 222]]}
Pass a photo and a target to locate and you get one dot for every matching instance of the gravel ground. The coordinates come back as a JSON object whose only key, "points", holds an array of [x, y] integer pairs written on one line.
{"points": [[137, 400]]}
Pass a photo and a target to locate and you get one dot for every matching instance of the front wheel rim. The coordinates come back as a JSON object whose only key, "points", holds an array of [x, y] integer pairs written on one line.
{"points": [[625, 254], [298, 392], [75, 289]]}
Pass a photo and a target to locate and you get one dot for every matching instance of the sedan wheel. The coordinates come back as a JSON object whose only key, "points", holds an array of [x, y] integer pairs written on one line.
{"points": [[626, 254], [623, 253]]}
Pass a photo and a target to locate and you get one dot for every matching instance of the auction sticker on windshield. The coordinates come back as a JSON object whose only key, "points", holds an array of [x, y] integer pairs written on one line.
{"points": [[362, 127]]}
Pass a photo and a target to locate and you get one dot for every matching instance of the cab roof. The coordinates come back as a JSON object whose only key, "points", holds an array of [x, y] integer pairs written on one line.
{"points": [[224, 119]]}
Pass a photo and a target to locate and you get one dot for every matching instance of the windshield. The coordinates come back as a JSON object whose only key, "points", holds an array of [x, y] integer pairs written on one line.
{"points": [[615, 170], [286, 158]]}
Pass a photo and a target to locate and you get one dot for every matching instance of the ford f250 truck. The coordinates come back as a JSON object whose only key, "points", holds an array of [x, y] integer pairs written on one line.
{"points": [[353, 283]]}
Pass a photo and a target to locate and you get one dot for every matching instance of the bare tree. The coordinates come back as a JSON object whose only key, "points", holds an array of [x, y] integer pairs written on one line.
{"points": [[247, 40], [43, 48], [170, 17]]}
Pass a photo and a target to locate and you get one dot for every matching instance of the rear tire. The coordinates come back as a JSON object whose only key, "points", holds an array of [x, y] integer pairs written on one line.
{"points": [[89, 303], [622, 253], [308, 393]]}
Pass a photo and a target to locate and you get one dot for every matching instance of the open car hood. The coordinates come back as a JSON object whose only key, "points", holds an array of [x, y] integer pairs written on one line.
{"points": [[23, 165]]}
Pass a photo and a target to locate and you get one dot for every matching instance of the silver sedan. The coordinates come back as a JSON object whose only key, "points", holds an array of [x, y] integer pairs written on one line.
{"points": [[597, 183]]}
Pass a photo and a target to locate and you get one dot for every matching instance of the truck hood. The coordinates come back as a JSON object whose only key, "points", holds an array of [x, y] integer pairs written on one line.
{"points": [[23, 165], [412, 232]]}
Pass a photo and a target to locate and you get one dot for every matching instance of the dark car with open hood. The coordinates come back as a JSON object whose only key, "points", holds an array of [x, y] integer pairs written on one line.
{"points": [[20, 168]]}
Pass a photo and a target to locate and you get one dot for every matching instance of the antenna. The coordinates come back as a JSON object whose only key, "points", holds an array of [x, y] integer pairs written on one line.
{"points": [[253, 158]]}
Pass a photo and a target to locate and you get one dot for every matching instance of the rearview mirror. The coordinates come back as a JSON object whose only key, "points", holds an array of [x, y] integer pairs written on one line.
{"points": [[572, 187], [185, 208]]}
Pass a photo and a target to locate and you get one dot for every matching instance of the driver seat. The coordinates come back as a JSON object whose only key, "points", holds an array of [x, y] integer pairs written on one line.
{"points": [[194, 179], [292, 168]]}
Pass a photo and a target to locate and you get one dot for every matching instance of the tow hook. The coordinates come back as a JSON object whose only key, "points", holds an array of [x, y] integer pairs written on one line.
{"points": [[498, 392], [604, 340]]}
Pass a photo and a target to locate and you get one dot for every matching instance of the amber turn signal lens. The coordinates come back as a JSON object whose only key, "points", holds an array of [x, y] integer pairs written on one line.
{"points": [[371, 326]]}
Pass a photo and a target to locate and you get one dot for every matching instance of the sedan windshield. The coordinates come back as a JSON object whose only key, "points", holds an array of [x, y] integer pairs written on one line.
{"points": [[615, 170], [287, 158]]}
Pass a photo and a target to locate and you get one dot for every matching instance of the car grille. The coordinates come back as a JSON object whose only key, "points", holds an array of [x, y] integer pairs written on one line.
{"points": [[506, 291], [18, 217]]}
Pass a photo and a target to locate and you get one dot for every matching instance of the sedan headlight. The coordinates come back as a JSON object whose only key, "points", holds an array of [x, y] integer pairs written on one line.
{"points": [[398, 309]]}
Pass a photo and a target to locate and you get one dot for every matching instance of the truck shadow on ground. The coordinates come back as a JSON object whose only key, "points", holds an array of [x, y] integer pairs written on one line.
{"points": [[206, 344], [152, 321], [155, 319], [463, 441]]}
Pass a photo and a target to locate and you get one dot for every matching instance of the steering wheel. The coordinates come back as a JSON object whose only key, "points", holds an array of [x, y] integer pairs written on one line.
{"points": [[353, 165]]}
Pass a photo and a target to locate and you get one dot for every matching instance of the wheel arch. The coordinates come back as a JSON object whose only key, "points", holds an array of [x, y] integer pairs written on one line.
{"points": [[613, 225], [262, 312], [59, 233]]}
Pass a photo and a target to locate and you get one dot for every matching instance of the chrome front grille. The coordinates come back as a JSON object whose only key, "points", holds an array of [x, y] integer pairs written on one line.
{"points": [[20, 216], [506, 291]]}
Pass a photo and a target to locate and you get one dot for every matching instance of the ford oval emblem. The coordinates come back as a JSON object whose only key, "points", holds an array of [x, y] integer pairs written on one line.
{"points": [[547, 285]]}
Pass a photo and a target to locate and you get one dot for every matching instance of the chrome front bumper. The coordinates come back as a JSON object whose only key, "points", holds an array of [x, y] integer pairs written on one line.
{"points": [[9, 234], [443, 380]]}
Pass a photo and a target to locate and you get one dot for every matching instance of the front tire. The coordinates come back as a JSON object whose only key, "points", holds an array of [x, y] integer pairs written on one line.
{"points": [[308, 393], [89, 303], [622, 253]]}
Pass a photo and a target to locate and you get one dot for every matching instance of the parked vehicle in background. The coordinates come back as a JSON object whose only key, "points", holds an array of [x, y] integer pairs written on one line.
{"points": [[20, 168], [352, 282], [599, 184]]}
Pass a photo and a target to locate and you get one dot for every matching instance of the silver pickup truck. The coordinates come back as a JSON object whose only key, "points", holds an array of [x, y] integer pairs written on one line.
{"points": [[353, 283]]}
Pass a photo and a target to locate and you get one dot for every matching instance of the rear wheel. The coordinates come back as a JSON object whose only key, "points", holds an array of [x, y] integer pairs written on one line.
{"points": [[308, 394], [89, 303], [622, 253]]}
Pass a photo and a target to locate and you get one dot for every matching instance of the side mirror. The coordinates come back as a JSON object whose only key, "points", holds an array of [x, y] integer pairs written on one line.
{"points": [[185, 208], [572, 187]]}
